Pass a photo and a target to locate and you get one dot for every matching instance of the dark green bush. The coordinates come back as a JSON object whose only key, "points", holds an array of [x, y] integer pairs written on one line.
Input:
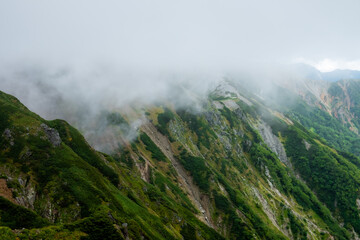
{"points": [[221, 202], [188, 232], [17, 217], [163, 120], [199, 126], [115, 118], [156, 153], [199, 171]]}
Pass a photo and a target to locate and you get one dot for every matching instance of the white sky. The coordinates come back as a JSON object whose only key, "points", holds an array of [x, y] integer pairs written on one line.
{"points": [[180, 34]]}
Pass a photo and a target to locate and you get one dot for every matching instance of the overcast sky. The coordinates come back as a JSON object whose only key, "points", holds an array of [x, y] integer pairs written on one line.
{"points": [[180, 34]]}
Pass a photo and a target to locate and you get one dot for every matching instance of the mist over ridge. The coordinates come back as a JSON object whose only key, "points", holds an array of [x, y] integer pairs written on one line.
{"points": [[94, 54], [193, 119], [74, 60]]}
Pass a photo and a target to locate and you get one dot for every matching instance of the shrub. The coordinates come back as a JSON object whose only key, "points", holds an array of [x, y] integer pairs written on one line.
{"points": [[199, 171], [156, 153], [163, 119], [17, 217]]}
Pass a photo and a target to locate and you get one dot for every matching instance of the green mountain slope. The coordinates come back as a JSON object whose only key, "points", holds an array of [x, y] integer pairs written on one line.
{"points": [[234, 170], [331, 110], [60, 177]]}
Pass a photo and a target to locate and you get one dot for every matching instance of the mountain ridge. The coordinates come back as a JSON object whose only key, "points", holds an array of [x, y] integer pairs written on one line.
{"points": [[229, 171]]}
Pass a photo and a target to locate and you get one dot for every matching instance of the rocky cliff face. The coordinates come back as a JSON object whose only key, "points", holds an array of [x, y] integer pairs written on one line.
{"points": [[344, 102], [273, 142]]}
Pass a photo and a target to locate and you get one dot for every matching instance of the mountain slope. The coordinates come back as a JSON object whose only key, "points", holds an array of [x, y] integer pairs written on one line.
{"points": [[340, 74], [236, 169], [63, 179], [329, 110]]}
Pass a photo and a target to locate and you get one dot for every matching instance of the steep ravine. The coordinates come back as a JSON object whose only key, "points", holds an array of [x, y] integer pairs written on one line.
{"points": [[199, 200]]}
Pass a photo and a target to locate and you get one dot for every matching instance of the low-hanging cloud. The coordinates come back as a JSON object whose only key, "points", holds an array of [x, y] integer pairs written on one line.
{"points": [[75, 59], [84, 98]]}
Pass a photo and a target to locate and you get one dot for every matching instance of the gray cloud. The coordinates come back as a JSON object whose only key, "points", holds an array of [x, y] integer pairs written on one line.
{"points": [[178, 34], [74, 59]]}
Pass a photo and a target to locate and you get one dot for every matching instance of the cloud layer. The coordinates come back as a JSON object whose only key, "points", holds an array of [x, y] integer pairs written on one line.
{"points": [[73, 59], [178, 34]]}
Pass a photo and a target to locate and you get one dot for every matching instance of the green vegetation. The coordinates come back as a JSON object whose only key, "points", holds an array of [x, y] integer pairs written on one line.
{"points": [[327, 127], [188, 232], [199, 126], [17, 217], [262, 157], [354, 94], [221, 202], [77, 143], [7, 234], [97, 226], [264, 160], [297, 228], [255, 225], [163, 120], [46, 233], [127, 194], [240, 229], [115, 118], [332, 177], [163, 183], [228, 115], [156, 153], [125, 158], [199, 171], [90, 192]]}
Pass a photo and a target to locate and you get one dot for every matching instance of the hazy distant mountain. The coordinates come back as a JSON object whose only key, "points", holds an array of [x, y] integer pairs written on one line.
{"points": [[340, 74], [306, 71], [310, 72]]}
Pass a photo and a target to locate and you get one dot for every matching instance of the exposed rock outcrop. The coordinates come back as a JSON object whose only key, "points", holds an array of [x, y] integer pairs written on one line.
{"points": [[52, 135], [8, 136], [273, 142]]}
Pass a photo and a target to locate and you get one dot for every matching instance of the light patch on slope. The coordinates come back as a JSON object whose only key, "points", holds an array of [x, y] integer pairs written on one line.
{"points": [[230, 104], [273, 142], [218, 105], [224, 89]]}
